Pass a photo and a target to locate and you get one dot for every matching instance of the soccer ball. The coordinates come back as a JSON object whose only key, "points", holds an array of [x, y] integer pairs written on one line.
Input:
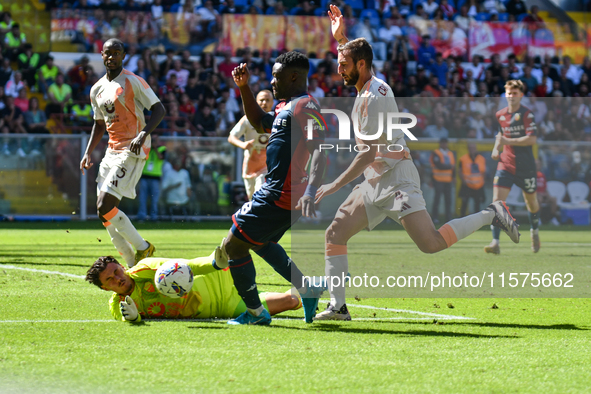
{"points": [[174, 278]]}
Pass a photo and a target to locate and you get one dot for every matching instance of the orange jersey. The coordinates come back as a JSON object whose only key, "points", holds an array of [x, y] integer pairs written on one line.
{"points": [[255, 158], [120, 104]]}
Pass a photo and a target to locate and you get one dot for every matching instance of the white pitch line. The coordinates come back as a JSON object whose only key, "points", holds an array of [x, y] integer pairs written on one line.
{"points": [[57, 321], [407, 311], [212, 320], [12, 267], [324, 300]]}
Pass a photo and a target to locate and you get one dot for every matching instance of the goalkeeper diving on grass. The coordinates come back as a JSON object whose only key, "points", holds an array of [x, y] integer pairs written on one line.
{"points": [[213, 294]]}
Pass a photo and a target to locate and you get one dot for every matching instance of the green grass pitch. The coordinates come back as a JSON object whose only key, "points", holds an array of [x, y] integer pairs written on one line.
{"points": [[57, 335]]}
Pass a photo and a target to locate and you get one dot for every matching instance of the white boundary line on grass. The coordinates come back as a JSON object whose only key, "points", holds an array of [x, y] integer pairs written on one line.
{"points": [[426, 315], [444, 317], [407, 311], [13, 267]]}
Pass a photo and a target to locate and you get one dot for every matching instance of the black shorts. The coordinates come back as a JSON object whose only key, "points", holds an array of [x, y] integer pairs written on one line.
{"points": [[506, 180], [467, 193], [260, 221]]}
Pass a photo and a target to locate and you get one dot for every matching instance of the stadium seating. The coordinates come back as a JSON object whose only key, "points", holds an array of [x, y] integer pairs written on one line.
{"points": [[515, 197], [374, 17], [357, 5], [482, 16], [557, 190], [503, 17], [578, 211], [578, 192]]}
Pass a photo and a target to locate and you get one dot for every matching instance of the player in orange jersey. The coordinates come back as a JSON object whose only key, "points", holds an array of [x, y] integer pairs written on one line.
{"points": [[118, 101]]}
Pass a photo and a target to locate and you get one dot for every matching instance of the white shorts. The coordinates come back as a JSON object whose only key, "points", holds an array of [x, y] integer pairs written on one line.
{"points": [[253, 184], [395, 194], [118, 174]]}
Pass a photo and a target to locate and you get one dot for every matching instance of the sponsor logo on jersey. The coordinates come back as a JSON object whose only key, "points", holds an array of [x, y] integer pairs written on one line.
{"points": [[311, 105], [512, 129]]}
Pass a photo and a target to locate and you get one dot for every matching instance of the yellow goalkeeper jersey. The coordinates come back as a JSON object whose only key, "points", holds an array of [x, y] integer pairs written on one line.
{"points": [[213, 293]]}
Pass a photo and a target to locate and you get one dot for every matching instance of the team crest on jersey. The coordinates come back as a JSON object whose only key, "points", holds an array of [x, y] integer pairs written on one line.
{"points": [[517, 117], [109, 106], [263, 139]]}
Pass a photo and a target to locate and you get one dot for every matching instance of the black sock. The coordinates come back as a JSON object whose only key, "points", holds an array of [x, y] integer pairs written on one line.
{"points": [[244, 275], [275, 255]]}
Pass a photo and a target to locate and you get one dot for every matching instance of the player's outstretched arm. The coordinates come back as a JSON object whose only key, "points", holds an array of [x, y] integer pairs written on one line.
{"points": [[98, 130], [337, 24], [526, 140], [158, 113], [317, 167], [361, 161], [253, 111]]}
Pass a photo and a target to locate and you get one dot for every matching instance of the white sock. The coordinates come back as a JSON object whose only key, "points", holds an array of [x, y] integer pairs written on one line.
{"points": [[126, 229], [256, 312], [494, 242], [465, 226], [123, 247], [336, 269]]}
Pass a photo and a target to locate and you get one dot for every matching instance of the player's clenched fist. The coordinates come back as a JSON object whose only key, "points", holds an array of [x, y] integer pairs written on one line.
{"points": [[241, 75]]}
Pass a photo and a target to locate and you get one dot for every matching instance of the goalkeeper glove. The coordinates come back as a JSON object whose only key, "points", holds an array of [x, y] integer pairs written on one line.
{"points": [[128, 309], [220, 257]]}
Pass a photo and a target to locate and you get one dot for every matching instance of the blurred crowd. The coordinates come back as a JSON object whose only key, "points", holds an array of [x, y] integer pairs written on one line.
{"points": [[36, 96]]}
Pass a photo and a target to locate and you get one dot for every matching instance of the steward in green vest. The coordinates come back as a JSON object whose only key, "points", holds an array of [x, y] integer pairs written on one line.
{"points": [[150, 181], [224, 186], [28, 63], [14, 41], [81, 113], [47, 75], [154, 163]]}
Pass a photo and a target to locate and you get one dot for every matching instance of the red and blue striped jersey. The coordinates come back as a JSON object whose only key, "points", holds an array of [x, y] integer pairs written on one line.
{"points": [[287, 152]]}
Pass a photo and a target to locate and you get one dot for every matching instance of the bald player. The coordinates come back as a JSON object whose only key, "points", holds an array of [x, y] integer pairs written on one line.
{"points": [[118, 100], [254, 166]]}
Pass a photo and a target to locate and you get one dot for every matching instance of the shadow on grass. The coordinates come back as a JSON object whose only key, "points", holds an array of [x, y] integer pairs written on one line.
{"points": [[332, 327], [336, 327], [528, 326]]}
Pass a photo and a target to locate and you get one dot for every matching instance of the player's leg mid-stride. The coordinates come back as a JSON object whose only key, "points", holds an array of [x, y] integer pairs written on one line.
{"points": [[352, 217]]}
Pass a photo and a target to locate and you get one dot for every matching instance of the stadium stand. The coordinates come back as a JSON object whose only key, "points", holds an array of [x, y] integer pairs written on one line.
{"points": [[155, 28]]}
